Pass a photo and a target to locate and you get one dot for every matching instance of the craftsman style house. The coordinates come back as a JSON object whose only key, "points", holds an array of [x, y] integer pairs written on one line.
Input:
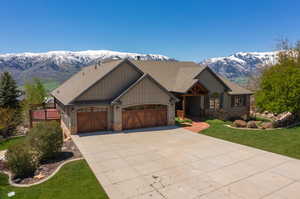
{"points": [[129, 94]]}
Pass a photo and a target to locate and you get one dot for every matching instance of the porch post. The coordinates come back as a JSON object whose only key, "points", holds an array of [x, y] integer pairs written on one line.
{"points": [[183, 106]]}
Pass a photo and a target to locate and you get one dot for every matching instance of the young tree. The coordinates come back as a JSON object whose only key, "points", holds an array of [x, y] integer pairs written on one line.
{"points": [[35, 92], [7, 121], [279, 89]]}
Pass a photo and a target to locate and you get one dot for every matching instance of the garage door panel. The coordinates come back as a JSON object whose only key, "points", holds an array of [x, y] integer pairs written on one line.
{"points": [[132, 119], [91, 121]]}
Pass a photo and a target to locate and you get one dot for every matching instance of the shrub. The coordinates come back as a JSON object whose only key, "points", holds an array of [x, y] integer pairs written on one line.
{"points": [[9, 121], [185, 120], [1, 139], [46, 139], [21, 160]]}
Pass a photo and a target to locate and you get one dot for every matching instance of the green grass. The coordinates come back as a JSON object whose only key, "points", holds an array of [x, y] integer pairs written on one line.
{"points": [[11, 141], [180, 121], [74, 181], [51, 85], [281, 141]]}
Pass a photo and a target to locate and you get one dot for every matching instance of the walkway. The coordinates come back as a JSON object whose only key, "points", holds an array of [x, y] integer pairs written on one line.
{"points": [[197, 126]]}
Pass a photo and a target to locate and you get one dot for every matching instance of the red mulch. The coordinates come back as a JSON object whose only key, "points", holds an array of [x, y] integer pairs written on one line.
{"points": [[197, 126]]}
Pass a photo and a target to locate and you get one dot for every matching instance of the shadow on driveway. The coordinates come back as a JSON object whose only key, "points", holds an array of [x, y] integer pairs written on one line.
{"points": [[152, 129]]}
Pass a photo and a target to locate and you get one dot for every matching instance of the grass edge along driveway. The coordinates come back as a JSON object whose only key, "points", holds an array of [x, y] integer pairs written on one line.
{"points": [[75, 180], [281, 141]]}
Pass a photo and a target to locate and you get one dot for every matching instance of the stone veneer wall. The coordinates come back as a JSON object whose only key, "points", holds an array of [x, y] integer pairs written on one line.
{"points": [[223, 114], [65, 129], [229, 112]]}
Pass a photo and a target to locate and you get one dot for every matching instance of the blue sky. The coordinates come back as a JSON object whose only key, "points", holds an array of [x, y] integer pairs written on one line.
{"points": [[186, 30]]}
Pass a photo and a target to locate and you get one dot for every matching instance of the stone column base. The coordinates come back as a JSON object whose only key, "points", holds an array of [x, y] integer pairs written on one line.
{"points": [[117, 126]]}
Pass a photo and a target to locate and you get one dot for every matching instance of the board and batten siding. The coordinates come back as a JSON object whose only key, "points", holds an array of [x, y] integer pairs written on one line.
{"points": [[145, 92], [210, 82], [111, 86]]}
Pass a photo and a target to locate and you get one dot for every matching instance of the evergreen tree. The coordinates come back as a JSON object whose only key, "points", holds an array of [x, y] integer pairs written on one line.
{"points": [[9, 102], [9, 92]]}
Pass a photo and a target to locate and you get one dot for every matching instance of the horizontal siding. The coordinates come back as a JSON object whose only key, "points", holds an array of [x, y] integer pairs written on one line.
{"points": [[109, 87]]}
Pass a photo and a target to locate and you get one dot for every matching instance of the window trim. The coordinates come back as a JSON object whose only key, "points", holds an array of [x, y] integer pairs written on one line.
{"points": [[242, 99], [214, 103]]}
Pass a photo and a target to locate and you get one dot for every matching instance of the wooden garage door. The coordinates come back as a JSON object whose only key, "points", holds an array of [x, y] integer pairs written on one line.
{"points": [[91, 119], [144, 116]]}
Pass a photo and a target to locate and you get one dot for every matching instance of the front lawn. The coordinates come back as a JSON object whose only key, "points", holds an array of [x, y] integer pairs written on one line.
{"points": [[74, 181], [9, 142], [281, 141]]}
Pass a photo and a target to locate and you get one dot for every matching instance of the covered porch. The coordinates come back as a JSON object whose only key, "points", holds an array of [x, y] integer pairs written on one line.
{"points": [[193, 103]]}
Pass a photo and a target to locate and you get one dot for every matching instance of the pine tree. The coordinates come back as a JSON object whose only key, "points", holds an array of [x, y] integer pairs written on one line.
{"points": [[9, 92]]}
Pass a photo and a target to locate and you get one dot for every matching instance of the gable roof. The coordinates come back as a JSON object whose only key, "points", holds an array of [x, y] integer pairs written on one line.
{"points": [[235, 89], [137, 82], [84, 79], [173, 76], [179, 77]]}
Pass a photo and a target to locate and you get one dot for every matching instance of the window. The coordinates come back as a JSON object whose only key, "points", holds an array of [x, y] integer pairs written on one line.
{"points": [[214, 103], [238, 100]]}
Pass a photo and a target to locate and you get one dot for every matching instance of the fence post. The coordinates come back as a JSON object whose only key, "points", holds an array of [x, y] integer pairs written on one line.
{"points": [[30, 118], [45, 110]]}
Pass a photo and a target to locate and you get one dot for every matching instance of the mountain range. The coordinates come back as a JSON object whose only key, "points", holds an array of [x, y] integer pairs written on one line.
{"points": [[60, 65], [242, 64]]}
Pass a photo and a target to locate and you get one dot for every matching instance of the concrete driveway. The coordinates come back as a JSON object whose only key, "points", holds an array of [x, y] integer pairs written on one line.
{"points": [[175, 163]]}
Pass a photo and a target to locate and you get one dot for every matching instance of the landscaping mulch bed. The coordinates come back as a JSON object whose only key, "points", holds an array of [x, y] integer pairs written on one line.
{"points": [[69, 152]]}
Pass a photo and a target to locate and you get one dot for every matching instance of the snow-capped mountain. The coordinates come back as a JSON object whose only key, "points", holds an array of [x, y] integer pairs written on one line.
{"points": [[59, 65], [241, 64]]}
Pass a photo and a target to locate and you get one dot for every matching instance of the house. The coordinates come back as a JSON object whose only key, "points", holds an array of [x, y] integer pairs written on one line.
{"points": [[129, 94]]}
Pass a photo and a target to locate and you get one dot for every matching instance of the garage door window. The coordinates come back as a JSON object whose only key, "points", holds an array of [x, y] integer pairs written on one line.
{"points": [[91, 109], [145, 107]]}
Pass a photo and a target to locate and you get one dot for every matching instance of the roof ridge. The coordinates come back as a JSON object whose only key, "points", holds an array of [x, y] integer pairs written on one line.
{"points": [[145, 75]]}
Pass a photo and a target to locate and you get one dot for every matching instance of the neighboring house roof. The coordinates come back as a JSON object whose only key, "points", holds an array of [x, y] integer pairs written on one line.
{"points": [[115, 101], [171, 75]]}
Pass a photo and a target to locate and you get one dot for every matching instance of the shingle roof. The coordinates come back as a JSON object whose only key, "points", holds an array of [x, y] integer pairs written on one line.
{"points": [[172, 75], [82, 80], [146, 75], [235, 89]]}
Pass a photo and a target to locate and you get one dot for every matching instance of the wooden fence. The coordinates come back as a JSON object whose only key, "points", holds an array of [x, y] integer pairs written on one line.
{"points": [[43, 112]]}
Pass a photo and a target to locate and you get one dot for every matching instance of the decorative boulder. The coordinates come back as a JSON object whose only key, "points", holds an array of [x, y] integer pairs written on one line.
{"points": [[252, 124], [239, 123], [285, 119], [267, 125]]}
